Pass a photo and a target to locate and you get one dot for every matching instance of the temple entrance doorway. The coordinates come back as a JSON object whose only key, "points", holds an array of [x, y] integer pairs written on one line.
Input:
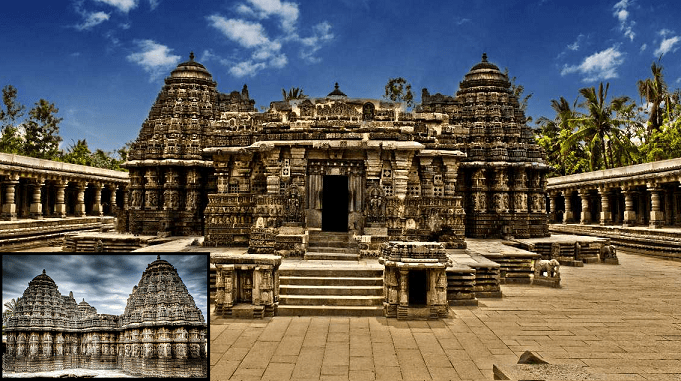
{"points": [[335, 203], [418, 288]]}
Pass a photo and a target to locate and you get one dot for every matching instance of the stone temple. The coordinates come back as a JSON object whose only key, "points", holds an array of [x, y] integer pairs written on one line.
{"points": [[207, 163], [161, 333]]}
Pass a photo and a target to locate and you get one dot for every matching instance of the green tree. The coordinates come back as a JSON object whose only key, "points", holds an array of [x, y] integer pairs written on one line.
{"points": [[399, 90], [293, 93], [11, 140], [123, 151], [553, 132], [518, 91], [598, 126], [42, 131], [78, 153], [655, 91]]}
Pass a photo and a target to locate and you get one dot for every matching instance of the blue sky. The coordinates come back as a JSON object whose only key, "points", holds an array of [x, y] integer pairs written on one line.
{"points": [[102, 62]]}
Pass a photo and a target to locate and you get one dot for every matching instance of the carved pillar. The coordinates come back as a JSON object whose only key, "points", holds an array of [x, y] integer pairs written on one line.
{"points": [[676, 205], [567, 216], [80, 199], [401, 172], [97, 203], [112, 199], [257, 280], [36, 204], [668, 210], [151, 190], [479, 194], [404, 290], [629, 212], [427, 174], [606, 215], [656, 214], [552, 205], [60, 206], [9, 208], [124, 189], [451, 174], [585, 217]]}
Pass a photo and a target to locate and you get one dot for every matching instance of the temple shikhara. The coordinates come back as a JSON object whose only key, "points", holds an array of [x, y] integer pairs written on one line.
{"points": [[161, 333], [208, 163]]}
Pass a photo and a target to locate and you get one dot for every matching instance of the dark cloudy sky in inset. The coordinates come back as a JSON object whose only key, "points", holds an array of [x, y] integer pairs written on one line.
{"points": [[105, 281]]}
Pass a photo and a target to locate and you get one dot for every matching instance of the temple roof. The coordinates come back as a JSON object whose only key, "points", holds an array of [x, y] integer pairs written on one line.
{"points": [[484, 76], [191, 69], [42, 279], [336, 92]]}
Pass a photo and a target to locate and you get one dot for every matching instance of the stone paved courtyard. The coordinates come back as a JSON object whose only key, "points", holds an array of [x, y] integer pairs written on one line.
{"points": [[622, 320]]}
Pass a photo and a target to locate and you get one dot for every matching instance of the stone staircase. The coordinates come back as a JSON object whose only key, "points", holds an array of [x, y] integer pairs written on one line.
{"points": [[337, 246], [331, 291]]}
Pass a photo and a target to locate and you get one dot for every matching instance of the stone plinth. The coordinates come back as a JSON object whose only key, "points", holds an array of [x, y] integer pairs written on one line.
{"points": [[247, 284], [414, 279]]}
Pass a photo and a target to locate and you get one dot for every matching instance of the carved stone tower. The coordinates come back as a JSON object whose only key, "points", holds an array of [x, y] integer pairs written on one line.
{"points": [[169, 179]]}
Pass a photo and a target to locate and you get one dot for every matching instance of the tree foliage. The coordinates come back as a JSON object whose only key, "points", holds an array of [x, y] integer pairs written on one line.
{"points": [[604, 132], [655, 91], [293, 93], [38, 135], [42, 131], [399, 90], [11, 140]]}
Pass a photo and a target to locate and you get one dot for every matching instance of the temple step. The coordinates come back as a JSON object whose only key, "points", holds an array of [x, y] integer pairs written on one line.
{"points": [[330, 300], [329, 311], [331, 256], [331, 291], [328, 281], [331, 246]]}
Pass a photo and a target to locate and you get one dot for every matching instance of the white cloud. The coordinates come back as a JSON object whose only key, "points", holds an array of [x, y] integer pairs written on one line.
{"points": [[598, 66], [622, 14], [247, 68], [92, 19], [252, 36], [643, 47], [261, 9], [153, 4], [577, 44], [122, 5], [244, 33], [321, 33], [154, 58], [667, 45]]}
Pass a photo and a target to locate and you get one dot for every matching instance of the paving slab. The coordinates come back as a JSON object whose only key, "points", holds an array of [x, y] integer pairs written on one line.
{"points": [[620, 321]]}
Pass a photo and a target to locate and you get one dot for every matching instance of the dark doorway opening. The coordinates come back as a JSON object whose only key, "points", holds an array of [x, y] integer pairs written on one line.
{"points": [[335, 204], [244, 280], [418, 288]]}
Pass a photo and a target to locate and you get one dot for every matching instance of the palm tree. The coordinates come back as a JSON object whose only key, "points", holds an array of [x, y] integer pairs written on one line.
{"points": [[655, 92], [293, 93], [597, 127], [553, 132]]}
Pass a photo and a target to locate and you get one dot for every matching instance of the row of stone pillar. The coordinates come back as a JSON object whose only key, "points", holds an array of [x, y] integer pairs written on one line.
{"points": [[36, 210], [657, 216]]}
